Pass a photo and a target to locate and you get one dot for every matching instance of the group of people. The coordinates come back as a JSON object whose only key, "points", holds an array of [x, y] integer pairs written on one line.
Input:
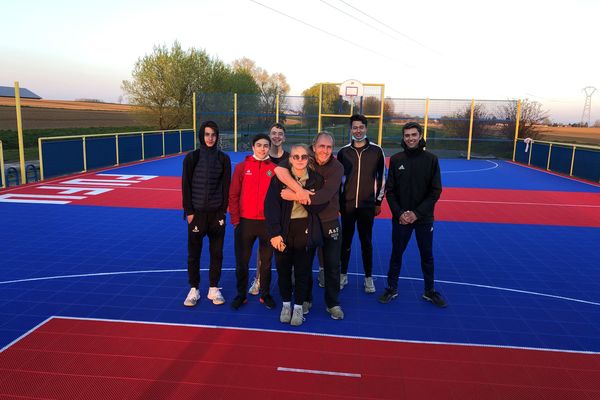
{"points": [[291, 202]]}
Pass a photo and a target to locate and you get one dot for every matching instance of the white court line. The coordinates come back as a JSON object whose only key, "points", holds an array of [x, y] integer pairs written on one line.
{"points": [[25, 334], [367, 338], [317, 372], [521, 203], [44, 278], [496, 165]]}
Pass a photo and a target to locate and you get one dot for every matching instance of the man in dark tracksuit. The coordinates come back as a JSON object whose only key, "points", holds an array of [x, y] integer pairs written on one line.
{"points": [[413, 187], [205, 191], [361, 196]]}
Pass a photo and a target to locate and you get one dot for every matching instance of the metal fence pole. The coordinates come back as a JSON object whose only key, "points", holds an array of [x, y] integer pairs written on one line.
{"points": [[517, 129], [426, 118], [235, 146], [470, 129], [20, 132]]}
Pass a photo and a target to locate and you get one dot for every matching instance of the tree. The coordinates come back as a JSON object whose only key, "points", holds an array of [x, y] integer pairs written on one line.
{"points": [[532, 115], [269, 85], [163, 83], [458, 124]]}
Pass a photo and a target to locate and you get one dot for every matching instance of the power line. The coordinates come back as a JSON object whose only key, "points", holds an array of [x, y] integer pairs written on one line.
{"points": [[393, 29], [358, 19], [328, 33]]}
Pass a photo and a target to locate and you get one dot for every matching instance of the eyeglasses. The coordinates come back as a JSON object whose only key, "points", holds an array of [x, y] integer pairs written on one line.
{"points": [[298, 157]]}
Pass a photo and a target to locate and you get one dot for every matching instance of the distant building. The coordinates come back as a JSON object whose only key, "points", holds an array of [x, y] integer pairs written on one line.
{"points": [[8, 91]]}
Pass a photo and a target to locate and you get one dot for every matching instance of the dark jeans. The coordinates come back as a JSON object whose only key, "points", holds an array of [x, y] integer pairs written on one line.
{"points": [[332, 243], [246, 233], [213, 226], [363, 219], [295, 255], [400, 237]]}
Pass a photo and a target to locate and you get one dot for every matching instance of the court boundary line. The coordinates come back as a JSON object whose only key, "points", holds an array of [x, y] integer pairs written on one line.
{"points": [[350, 273], [318, 334], [575, 179], [24, 335]]}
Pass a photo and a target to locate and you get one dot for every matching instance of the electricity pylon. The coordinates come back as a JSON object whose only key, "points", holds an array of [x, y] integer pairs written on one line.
{"points": [[587, 108]]}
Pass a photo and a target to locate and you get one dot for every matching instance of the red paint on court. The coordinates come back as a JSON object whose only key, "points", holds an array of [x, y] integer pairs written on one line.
{"points": [[80, 359], [516, 207]]}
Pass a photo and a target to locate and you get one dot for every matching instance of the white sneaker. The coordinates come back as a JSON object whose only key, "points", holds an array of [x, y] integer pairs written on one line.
{"points": [[192, 298], [255, 287], [336, 312], [286, 314], [369, 285], [297, 316], [306, 306], [343, 280], [214, 294]]}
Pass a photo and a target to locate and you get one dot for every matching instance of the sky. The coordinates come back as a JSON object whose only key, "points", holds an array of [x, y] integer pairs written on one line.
{"points": [[546, 51]]}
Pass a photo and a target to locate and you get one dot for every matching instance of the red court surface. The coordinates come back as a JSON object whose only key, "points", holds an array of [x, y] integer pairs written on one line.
{"points": [[94, 359], [456, 204]]}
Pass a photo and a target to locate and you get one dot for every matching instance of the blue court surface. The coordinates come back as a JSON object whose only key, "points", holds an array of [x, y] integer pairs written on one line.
{"points": [[507, 284]]}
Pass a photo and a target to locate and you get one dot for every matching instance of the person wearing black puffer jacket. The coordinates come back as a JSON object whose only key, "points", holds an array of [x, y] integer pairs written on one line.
{"points": [[413, 187], [205, 190]]}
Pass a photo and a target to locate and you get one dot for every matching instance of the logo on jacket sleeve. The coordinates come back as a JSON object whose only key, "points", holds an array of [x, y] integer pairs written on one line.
{"points": [[400, 168], [269, 173]]}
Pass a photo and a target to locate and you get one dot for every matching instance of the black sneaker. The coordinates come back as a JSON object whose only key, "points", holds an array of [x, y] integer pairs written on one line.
{"points": [[435, 298], [238, 301], [268, 301], [388, 295]]}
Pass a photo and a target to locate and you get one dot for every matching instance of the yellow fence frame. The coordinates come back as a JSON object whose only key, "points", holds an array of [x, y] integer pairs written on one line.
{"points": [[116, 135], [3, 180]]}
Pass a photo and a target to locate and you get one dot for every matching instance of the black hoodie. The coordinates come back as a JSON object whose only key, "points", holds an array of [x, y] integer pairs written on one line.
{"points": [[206, 179], [414, 183]]}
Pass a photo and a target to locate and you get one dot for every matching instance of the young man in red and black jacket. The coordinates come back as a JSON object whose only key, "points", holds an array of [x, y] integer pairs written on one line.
{"points": [[249, 185], [360, 196], [205, 192]]}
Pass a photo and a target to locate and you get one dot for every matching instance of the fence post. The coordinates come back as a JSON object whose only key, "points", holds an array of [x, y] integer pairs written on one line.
{"points": [[143, 150], [320, 105], [84, 155], [517, 129], [549, 155], [41, 160], [572, 161], [426, 118], [380, 139], [117, 148], [470, 129], [235, 122], [530, 151], [3, 179], [193, 123], [277, 108], [181, 140], [20, 131], [163, 138]]}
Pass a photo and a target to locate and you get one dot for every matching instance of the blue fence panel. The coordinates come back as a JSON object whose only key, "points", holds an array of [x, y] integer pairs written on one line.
{"points": [[62, 157], [130, 148], [153, 145], [520, 155], [560, 159], [100, 152], [587, 164], [171, 142], [539, 155], [187, 140]]}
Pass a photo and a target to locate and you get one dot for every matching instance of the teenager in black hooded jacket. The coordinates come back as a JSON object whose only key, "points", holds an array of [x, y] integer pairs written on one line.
{"points": [[205, 191]]}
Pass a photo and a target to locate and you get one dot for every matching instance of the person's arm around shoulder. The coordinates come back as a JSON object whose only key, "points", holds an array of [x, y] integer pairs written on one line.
{"points": [[294, 190]]}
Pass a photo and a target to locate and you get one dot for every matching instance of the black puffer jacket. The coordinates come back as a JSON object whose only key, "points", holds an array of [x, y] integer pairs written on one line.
{"points": [[414, 183]]}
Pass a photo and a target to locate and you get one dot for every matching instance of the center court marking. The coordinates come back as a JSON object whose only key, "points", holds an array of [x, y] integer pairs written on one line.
{"points": [[150, 271], [495, 165], [317, 372]]}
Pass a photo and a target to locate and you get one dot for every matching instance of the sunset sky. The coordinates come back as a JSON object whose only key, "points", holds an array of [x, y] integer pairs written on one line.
{"points": [[541, 50]]}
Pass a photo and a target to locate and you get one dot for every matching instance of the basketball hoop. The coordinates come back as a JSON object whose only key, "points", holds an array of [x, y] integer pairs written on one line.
{"points": [[351, 89]]}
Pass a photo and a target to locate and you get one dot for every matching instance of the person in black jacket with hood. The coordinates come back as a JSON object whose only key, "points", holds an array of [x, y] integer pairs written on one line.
{"points": [[413, 187], [205, 190]]}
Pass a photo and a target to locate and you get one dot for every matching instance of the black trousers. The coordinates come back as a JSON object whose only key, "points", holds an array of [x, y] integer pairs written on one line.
{"points": [[295, 255], [332, 243], [363, 219], [400, 237], [246, 233], [213, 226]]}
